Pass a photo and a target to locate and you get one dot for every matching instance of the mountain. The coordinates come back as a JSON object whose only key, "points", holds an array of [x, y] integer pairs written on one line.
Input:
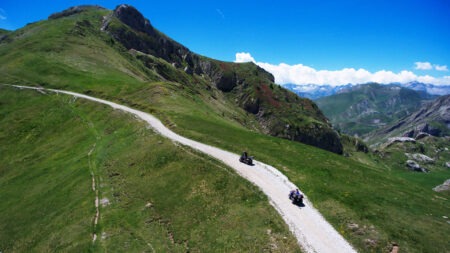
{"points": [[364, 108], [432, 89], [115, 49], [432, 118], [155, 195], [314, 92]]}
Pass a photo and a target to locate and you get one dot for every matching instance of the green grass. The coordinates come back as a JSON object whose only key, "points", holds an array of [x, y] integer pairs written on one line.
{"points": [[136, 167], [47, 202], [390, 204]]}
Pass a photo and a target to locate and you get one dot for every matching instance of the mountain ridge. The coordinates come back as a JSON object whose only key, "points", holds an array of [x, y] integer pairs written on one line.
{"points": [[315, 92], [433, 118], [141, 53], [363, 108]]}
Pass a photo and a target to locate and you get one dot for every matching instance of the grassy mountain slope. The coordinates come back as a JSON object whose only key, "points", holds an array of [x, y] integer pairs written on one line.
{"points": [[48, 204], [115, 54], [432, 118], [367, 107], [388, 204]]}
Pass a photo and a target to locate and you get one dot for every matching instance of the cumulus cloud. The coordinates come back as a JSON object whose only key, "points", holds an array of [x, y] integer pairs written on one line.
{"points": [[302, 75], [441, 68], [429, 66], [244, 57], [423, 65]]}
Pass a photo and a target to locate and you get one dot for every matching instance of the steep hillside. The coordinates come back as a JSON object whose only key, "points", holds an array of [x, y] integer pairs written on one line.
{"points": [[91, 49], [153, 195], [364, 108], [432, 118], [3, 32]]}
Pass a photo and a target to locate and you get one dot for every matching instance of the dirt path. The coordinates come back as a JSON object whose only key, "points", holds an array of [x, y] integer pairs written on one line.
{"points": [[95, 190], [313, 232]]}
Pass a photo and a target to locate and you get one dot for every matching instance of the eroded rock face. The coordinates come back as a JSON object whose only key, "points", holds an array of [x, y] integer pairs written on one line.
{"points": [[226, 82], [433, 118], [145, 38], [133, 18]]}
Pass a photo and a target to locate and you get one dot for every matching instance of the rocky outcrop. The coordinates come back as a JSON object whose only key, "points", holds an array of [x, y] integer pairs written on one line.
{"points": [[412, 165], [420, 158], [443, 187], [422, 135], [398, 139], [134, 19]]}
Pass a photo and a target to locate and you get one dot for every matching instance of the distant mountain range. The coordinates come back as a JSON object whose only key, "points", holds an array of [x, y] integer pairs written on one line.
{"points": [[313, 91], [432, 118], [363, 108]]}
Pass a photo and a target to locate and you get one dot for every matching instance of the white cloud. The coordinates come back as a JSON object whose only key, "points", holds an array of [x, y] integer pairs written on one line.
{"points": [[429, 66], [302, 75], [423, 65], [440, 67], [244, 57]]}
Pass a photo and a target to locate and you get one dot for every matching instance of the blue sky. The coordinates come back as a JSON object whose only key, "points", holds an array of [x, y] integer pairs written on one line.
{"points": [[295, 38]]}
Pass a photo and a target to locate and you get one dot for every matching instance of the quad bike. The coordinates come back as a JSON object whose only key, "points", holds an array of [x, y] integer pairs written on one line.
{"points": [[297, 198], [246, 159]]}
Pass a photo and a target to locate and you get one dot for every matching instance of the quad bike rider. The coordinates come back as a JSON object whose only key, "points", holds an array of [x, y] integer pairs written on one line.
{"points": [[296, 197], [246, 159]]}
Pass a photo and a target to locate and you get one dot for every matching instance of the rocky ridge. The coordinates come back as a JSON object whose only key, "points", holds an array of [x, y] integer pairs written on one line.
{"points": [[361, 109], [431, 119], [279, 112]]}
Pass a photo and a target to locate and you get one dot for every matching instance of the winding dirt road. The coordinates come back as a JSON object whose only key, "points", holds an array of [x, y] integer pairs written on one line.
{"points": [[313, 232]]}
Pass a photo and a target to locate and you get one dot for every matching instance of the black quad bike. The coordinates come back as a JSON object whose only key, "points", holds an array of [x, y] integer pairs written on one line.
{"points": [[246, 159], [297, 199]]}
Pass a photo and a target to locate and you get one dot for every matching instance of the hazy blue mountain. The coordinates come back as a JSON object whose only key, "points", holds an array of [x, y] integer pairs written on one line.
{"points": [[314, 92]]}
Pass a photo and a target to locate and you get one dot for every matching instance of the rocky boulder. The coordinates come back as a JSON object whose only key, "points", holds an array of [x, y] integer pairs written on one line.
{"points": [[420, 158], [443, 187], [414, 166]]}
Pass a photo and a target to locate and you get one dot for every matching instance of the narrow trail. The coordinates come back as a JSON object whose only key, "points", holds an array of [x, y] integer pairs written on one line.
{"points": [[313, 232], [95, 190]]}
